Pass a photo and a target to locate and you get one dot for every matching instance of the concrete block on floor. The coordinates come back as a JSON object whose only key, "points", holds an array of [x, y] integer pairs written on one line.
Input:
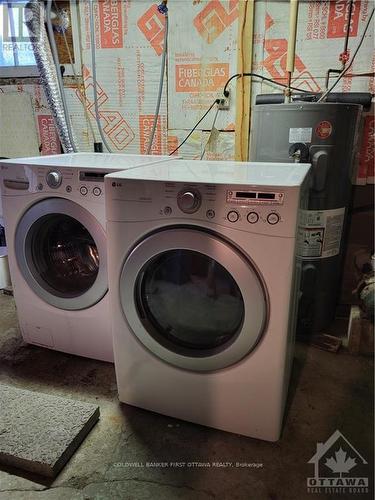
{"points": [[39, 432]]}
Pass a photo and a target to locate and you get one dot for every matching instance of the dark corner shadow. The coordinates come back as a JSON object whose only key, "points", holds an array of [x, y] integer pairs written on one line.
{"points": [[29, 476], [299, 361], [43, 369]]}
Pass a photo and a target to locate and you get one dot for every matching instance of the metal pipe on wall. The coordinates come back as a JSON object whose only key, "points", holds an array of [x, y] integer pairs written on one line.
{"points": [[293, 20], [35, 19]]}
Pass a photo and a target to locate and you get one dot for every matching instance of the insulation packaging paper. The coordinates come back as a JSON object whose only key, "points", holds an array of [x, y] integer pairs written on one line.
{"points": [[202, 55]]}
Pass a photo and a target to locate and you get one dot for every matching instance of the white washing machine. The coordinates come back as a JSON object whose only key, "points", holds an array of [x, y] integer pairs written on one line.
{"points": [[203, 288], [54, 215]]}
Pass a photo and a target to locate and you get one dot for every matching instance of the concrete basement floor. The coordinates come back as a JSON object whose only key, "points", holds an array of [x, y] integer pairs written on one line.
{"points": [[328, 392]]}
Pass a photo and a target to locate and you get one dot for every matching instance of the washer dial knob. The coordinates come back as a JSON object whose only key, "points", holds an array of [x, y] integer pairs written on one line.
{"points": [[54, 179], [189, 201]]}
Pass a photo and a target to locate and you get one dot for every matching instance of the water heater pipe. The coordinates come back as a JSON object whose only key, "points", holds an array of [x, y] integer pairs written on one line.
{"points": [[293, 19]]}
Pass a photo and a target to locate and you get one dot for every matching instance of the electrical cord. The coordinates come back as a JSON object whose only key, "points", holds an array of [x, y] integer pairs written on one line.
{"points": [[345, 70], [226, 94], [211, 132], [216, 101], [270, 80], [94, 84], [164, 10], [261, 77], [60, 82]]}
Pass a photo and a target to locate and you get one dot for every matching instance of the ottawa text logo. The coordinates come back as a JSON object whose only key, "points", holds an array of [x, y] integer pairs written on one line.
{"points": [[338, 468]]}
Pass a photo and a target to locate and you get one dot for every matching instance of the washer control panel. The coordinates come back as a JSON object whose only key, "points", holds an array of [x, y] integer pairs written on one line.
{"points": [[81, 183]]}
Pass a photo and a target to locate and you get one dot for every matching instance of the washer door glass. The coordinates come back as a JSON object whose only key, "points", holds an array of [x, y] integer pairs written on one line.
{"points": [[61, 252], [190, 301], [193, 299], [64, 254]]}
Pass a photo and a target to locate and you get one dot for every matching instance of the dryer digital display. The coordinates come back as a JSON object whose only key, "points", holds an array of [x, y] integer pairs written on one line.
{"points": [[255, 197]]}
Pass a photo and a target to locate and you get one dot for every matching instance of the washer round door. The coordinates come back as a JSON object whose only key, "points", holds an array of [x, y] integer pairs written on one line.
{"points": [[61, 251], [193, 299]]}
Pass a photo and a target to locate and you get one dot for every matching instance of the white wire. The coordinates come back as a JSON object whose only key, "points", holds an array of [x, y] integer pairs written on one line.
{"points": [[161, 81], [60, 82], [345, 70], [93, 64], [75, 76], [211, 132]]}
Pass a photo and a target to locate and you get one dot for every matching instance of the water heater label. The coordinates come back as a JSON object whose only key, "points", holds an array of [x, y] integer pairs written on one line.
{"points": [[324, 129], [301, 134], [319, 233]]}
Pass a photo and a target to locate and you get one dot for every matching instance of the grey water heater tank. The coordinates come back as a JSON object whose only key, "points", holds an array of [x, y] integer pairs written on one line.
{"points": [[324, 135]]}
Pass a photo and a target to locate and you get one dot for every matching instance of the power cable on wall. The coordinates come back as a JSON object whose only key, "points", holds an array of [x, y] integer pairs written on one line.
{"points": [[163, 9], [263, 78], [226, 94], [216, 101]]}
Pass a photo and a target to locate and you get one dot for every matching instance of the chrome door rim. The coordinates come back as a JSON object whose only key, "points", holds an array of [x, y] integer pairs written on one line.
{"points": [[242, 271], [64, 207]]}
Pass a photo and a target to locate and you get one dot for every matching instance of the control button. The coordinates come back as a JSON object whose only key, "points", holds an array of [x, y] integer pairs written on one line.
{"points": [[189, 201], [54, 179], [252, 217], [83, 190], [68, 189], [97, 191], [40, 187], [167, 211], [233, 216], [273, 218], [210, 214]]}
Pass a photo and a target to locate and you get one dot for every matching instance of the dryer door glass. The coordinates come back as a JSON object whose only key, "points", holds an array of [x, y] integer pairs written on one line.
{"points": [[190, 301], [193, 299], [64, 254]]}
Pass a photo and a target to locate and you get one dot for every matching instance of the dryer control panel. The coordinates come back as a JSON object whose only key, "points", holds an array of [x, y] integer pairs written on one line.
{"points": [[264, 210]]}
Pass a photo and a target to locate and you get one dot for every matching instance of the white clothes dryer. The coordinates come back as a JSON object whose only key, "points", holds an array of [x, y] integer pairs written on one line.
{"points": [[203, 280]]}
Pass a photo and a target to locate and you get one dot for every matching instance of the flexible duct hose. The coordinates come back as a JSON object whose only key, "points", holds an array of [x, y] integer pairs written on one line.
{"points": [[60, 82], [34, 16]]}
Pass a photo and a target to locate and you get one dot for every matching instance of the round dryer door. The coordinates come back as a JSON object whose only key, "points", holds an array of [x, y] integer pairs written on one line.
{"points": [[193, 299], [61, 251]]}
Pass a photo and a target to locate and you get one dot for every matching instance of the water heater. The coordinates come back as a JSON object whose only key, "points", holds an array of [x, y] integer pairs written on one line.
{"points": [[324, 135]]}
